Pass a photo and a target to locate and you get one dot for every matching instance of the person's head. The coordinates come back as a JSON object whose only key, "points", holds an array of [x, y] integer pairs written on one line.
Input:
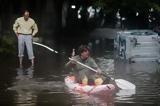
{"points": [[83, 52], [26, 15]]}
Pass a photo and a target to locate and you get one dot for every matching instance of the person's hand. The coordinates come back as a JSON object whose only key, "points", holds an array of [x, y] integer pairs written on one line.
{"points": [[73, 61], [17, 34], [98, 74], [33, 35]]}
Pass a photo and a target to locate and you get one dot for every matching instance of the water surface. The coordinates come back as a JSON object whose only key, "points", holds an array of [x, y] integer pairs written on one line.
{"points": [[43, 85]]}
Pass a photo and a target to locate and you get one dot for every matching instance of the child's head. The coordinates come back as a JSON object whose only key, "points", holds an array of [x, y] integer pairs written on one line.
{"points": [[83, 52]]}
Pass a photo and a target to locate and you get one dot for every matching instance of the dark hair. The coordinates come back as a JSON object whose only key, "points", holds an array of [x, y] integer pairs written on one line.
{"points": [[83, 48], [25, 11]]}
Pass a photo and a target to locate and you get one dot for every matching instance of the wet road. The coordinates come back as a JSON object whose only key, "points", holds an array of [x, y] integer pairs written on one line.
{"points": [[43, 85]]}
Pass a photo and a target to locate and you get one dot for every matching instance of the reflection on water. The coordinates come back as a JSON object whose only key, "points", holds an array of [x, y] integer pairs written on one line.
{"points": [[145, 75], [91, 100], [22, 86], [125, 95], [27, 88]]}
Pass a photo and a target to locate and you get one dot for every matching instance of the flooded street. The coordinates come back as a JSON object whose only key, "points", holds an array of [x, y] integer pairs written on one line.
{"points": [[43, 85], [121, 32]]}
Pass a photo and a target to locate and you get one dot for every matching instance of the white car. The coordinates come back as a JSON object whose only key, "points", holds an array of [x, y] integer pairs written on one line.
{"points": [[134, 45]]}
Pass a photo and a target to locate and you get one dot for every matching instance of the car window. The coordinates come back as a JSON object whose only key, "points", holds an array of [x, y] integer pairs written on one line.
{"points": [[136, 33], [149, 33]]}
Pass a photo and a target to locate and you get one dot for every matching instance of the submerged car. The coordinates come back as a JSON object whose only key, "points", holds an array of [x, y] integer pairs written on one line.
{"points": [[137, 45]]}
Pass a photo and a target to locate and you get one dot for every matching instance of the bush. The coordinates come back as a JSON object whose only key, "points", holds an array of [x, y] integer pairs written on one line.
{"points": [[7, 45]]}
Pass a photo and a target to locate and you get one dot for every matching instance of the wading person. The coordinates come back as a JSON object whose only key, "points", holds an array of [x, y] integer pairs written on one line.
{"points": [[82, 74], [25, 28]]}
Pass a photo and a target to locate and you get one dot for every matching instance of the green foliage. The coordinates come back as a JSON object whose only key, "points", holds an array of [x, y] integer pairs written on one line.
{"points": [[99, 3], [108, 6], [156, 7], [134, 5], [7, 45]]}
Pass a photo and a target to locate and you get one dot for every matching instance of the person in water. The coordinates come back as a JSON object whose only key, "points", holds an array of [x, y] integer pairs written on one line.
{"points": [[83, 74], [25, 28]]}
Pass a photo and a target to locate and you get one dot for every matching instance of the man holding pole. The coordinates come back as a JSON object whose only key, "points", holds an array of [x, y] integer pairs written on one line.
{"points": [[25, 28], [83, 74]]}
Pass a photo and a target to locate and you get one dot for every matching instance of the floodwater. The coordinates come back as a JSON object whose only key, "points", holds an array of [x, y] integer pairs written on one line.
{"points": [[43, 85]]}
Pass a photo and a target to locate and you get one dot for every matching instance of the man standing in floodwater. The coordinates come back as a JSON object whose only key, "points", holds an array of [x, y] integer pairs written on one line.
{"points": [[25, 28]]}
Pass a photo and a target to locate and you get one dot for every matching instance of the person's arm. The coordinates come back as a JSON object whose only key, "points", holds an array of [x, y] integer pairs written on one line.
{"points": [[15, 27], [95, 66], [70, 64], [35, 29], [99, 70]]}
